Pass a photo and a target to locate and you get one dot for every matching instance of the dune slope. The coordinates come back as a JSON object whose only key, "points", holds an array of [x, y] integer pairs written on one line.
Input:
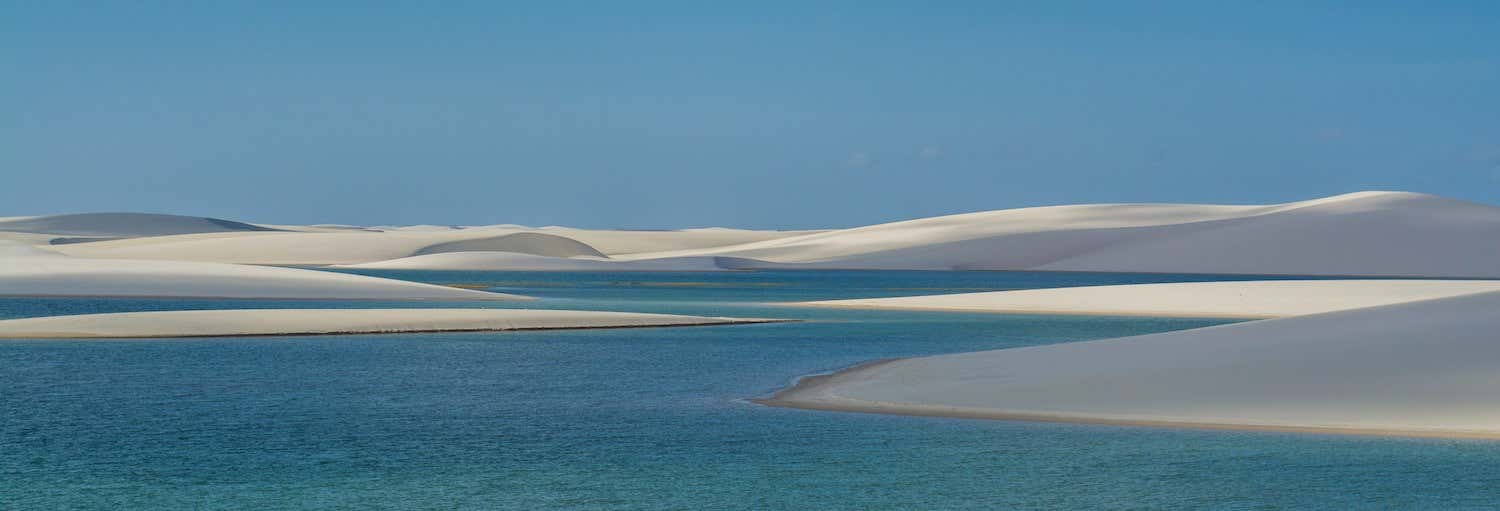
{"points": [[1367, 233], [1255, 298], [124, 225], [1428, 367], [28, 271]]}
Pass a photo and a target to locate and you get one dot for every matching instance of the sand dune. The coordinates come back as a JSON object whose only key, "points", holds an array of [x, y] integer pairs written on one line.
{"points": [[309, 248], [1268, 298], [532, 243], [30, 271], [123, 225], [1429, 367], [331, 246], [616, 242], [508, 261], [243, 322], [1367, 233]]}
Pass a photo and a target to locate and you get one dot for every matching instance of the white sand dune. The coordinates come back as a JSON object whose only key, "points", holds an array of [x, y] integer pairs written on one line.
{"points": [[618, 242], [322, 248], [509, 261], [331, 246], [1428, 367], [1367, 233], [530, 243], [123, 225], [1260, 298], [244, 322], [30, 271]]}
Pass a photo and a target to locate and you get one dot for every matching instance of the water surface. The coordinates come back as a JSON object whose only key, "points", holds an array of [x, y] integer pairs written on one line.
{"points": [[637, 419]]}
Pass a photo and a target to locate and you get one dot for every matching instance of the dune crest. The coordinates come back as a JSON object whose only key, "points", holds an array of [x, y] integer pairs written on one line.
{"points": [[1365, 233]]}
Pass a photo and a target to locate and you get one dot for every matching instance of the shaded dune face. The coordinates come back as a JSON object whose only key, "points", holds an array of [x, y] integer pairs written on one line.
{"points": [[533, 243], [124, 225]]}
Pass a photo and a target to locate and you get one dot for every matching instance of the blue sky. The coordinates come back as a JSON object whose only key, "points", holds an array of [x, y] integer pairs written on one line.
{"points": [[760, 114]]}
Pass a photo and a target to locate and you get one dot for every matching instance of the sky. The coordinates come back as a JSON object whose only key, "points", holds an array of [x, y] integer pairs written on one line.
{"points": [[749, 114]]}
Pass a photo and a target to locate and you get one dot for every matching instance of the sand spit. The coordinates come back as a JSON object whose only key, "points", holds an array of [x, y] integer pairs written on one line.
{"points": [[1230, 299], [1423, 368], [31, 271], [262, 322]]}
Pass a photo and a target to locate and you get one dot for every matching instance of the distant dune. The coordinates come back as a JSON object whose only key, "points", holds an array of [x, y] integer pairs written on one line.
{"points": [[29, 271], [1428, 367], [1367, 233], [533, 243], [243, 322], [328, 246], [1269, 298], [123, 225], [1358, 234]]}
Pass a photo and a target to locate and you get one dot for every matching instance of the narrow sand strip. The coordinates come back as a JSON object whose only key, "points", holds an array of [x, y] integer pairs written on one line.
{"points": [[1241, 299], [262, 322], [31, 271], [1425, 368]]}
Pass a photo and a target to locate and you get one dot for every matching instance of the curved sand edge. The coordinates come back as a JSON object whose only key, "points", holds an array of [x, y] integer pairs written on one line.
{"points": [[288, 322], [1428, 368], [814, 392], [35, 272], [1228, 299]]}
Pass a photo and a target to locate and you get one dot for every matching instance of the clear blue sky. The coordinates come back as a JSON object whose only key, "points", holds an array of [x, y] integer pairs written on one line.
{"points": [[758, 114]]}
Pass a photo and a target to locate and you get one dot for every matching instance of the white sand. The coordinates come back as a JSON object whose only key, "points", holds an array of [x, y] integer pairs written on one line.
{"points": [[1425, 368], [26, 270], [218, 323], [507, 261], [1367, 233], [616, 242], [341, 246], [319, 248], [1268, 298]]}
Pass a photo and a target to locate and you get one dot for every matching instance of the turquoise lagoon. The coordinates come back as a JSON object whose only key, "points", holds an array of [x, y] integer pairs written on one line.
{"points": [[653, 418]]}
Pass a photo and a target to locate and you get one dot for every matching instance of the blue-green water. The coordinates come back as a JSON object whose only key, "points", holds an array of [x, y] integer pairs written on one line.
{"points": [[636, 419]]}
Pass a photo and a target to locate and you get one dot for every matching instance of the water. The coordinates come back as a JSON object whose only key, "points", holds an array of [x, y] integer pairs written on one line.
{"points": [[637, 418]]}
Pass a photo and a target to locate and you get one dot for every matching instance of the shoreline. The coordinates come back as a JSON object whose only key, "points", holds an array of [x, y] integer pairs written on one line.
{"points": [[311, 322], [810, 393], [1040, 312], [398, 332]]}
